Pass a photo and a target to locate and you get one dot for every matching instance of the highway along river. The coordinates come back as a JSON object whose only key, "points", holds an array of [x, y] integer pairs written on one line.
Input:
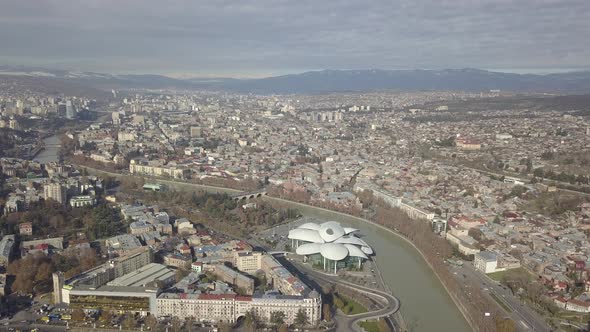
{"points": [[425, 305]]}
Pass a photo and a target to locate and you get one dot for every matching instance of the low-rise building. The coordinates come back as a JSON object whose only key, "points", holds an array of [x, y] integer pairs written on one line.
{"points": [[485, 261], [82, 200]]}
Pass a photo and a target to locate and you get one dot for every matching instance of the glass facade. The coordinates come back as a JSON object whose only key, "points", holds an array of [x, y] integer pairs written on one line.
{"points": [[110, 303], [348, 263]]}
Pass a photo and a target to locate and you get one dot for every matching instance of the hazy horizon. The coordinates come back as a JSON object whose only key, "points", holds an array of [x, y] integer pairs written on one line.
{"points": [[266, 38]]}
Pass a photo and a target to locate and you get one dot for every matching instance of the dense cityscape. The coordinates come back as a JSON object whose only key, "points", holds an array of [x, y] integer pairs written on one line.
{"points": [[345, 166], [163, 208]]}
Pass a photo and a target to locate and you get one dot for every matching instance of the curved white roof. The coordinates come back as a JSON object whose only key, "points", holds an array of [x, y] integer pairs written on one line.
{"points": [[334, 251], [330, 231], [355, 251], [351, 240], [331, 240], [310, 225], [348, 230], [367, 250], [308, 249], [305, 235]]}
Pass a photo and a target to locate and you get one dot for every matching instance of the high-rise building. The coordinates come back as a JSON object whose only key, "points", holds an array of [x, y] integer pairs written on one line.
{"points": [[116, 118], [56, 192], [58, 283], [70, 110]]}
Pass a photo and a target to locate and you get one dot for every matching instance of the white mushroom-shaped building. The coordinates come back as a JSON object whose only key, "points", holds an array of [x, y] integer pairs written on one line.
{"points": [[330, 246]]}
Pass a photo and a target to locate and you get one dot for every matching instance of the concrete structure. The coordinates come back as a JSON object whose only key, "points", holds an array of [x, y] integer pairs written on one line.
{"points": [[145, 275], [25, 228], [465, 244], [178, 261], [143, 168], [217, 308], [197, 267], [91, 289], [485, 261], [245, 283], [140, 227], [247, 261], [6, 249], [55, 191], [58, 283], [122, 243], [249, 195], [82, 200]]}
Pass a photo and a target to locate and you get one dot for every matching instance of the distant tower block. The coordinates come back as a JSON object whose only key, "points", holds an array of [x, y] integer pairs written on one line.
{"points": [[58, 283]]}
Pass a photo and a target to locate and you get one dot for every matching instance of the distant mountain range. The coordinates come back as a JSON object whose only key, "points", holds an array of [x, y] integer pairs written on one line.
{"points": [[324, 81]]}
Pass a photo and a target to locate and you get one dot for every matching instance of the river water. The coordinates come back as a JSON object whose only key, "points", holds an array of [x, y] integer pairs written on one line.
{"points": [[51, 151]]}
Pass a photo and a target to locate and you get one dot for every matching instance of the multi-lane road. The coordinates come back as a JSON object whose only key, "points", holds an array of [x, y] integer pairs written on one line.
{"points": [[349, 323], [526, 318]]}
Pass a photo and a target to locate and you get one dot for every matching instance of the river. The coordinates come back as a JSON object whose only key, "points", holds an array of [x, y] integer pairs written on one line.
{"points": [[51, 151]]}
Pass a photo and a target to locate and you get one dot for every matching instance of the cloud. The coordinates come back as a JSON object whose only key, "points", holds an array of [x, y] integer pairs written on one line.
{"points": [[244, 37]]}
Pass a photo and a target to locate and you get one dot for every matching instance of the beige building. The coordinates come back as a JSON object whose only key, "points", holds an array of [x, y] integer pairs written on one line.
{"points": [[228, 308], [142, 168], [55, 191], [247, 261]]}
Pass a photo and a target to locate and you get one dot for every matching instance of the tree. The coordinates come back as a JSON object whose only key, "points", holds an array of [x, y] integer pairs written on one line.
{"points": [[283, 328], [151, 322], [277, 318], [78, 315], [327, 311], [496, 219], [188, 323], [505, 325], [176, 324], [224, 327], [301, 318], [105, 316], [250, 320], [129, 322]]}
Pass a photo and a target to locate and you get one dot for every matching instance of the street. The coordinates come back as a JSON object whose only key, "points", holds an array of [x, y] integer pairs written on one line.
{"points": [[526, 318]]}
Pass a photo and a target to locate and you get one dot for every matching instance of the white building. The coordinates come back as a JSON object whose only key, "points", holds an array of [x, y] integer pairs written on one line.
{"points": [[55, 191], [84, 200], [485, 261], [330, 245]]}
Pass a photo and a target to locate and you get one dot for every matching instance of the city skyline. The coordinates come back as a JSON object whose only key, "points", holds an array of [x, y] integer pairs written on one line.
{"points": [[259, 39]]}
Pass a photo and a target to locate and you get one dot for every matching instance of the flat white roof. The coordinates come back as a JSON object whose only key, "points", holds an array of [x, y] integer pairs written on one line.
{"points": [[143, 275]]}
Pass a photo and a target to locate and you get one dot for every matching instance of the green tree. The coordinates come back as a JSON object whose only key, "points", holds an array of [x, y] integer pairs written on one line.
{"points": [[250, 320], [301, 318], [151, 322], [188, 323], [505, 325], [105, 316], [277, 318], [176, 324], [78, 315], [129, 322]]}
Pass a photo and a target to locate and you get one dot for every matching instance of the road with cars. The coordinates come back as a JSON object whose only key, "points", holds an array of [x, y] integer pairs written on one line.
{"points": [[526, 318]]}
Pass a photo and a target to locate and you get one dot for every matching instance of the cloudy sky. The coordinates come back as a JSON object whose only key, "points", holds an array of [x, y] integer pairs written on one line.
{"points": [[267, 37]]}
